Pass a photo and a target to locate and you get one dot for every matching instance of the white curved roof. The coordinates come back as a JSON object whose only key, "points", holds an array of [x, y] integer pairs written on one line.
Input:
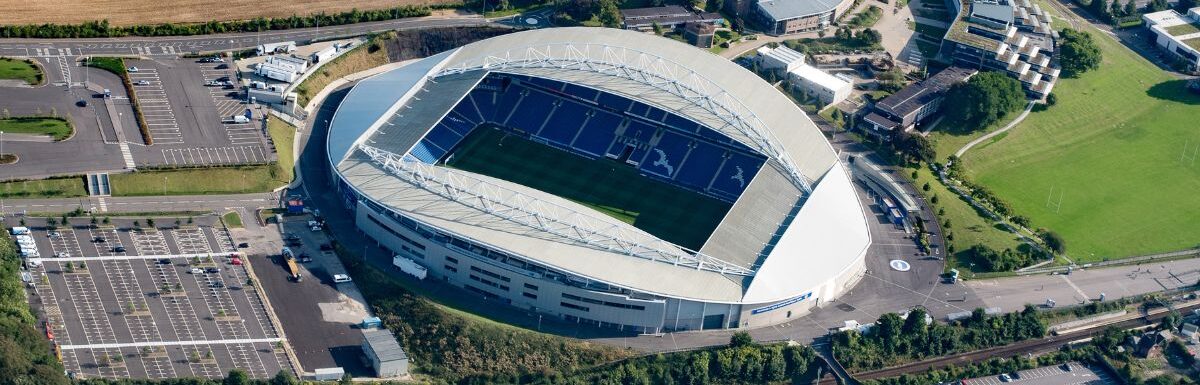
{"points": [[826, 236]]}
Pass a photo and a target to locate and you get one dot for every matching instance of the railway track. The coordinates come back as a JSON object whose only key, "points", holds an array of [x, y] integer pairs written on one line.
{"points": [[1027, 346]]}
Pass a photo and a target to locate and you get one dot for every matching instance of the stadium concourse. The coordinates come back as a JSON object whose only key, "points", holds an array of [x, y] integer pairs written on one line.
{"points": [[605, 177]]}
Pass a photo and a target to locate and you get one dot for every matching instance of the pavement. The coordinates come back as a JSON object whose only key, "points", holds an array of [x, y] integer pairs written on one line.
{"points": [[1086, 285], [101, 205]]}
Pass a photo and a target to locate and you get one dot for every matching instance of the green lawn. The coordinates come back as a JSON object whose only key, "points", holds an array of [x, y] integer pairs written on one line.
{"points": [[64, 187], [222, 180], [615, 189], [1182, 29], [283, 135], [232, 220], [1115, 149], [948, 136], [58, 128], [20, 70], [967, 225], [115, 65]]}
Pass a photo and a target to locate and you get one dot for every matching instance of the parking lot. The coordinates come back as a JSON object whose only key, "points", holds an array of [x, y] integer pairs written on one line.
{"points": [[190, 117], [1078, 374], [153, 303]]}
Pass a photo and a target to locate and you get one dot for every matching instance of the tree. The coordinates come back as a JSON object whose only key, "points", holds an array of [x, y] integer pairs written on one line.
{"points": [[51, 222], [137, 224], [1054, 241], [236, 377], [1100, 9], [65, 220], [1115, 10], [1051, 99], [106, 220], [94, 221], [983, 99], [869, 37], [346, 379], [1131, 8], [284, 378], [1079, 53], [609, 14], [740, 339], [150, 222]]}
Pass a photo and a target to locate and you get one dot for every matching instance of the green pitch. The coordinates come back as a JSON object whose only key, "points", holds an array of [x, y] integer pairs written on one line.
{"points": [[1109, 167], [668, 212]]}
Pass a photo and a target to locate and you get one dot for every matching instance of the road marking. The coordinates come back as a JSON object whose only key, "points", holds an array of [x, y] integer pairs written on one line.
{"points": [[171, 343], [1083, 296], [127, 156], [128, 257], [103, 206]]}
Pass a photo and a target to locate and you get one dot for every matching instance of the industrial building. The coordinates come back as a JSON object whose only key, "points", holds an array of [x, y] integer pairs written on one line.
{"points": [[1177, 35], [781, 17], [385, 355], [815, 83], [913, 104], [791, 234], [1008, 36]]}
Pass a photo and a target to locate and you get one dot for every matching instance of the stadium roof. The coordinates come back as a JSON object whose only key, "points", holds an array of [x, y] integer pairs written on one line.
{"points": [[398, 107]]}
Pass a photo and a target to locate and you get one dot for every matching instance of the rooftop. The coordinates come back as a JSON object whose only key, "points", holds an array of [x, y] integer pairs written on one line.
{"points": [[652, 12], [822, 78], [384, 345], [791, 9], [910, 99]]}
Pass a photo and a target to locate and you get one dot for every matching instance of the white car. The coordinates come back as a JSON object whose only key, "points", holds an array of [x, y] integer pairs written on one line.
{"points": [[34, 264], [196, 270], [316, 228], [142, 82], [341, 278], [62, 254], [133, 69]]}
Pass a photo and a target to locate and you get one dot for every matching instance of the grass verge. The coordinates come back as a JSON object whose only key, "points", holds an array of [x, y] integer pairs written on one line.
{"points": [[464, 344], [116, 65], [58, 128], [199, 181], [23, 70], [232, 220], [283, 135], [60, 187], [369, 55], [1106, 167], [967, 226]]}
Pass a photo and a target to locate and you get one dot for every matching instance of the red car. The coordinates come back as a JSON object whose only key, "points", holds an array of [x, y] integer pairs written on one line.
{"points": [[235, 261]]}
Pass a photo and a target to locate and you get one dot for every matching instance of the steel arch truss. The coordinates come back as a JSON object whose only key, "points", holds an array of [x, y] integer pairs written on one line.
{"points": [[541, 215], [649, 69]]}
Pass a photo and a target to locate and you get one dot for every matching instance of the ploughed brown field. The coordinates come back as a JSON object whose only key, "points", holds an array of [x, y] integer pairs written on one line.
{"points": [[134, 12]]}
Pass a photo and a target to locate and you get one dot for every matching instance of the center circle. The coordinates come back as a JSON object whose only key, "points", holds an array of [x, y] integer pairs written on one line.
{"points": [[899, 265]]}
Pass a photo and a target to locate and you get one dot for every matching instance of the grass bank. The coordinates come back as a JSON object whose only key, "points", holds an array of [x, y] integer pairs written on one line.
{"points": [[23, 70], [283, 135], [369, 55], [1108, 166], [58, 128], [232, 220], [199, 181], [62, 187], [967, 226]]}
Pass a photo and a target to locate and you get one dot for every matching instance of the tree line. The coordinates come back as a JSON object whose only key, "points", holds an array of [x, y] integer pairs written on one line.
{"points": [[895, 340], [25, 355], [102, 28]]}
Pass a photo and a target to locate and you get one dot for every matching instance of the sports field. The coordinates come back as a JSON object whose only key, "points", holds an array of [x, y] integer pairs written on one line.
{"points": [[671, 213], [1114, 167]]}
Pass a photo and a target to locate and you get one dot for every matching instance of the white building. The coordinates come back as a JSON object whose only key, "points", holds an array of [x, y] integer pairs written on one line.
{"points": [[779, 58], [325, 54], [277, 72], [297, 65], [1178, 35], [273, 48], [813, 82]]}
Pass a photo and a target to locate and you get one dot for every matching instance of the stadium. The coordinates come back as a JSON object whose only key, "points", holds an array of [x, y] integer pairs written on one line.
{"points": [[605, 177]]}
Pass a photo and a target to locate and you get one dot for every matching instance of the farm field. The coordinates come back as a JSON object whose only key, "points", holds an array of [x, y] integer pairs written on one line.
{"points": [[129, 12], [1109, 167]]}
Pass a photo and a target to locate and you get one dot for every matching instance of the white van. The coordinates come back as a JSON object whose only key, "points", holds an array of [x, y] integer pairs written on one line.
{"points": [[341, 278]]}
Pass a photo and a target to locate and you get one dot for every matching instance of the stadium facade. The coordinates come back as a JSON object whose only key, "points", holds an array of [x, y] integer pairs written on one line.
{"points": [[793, 234]]}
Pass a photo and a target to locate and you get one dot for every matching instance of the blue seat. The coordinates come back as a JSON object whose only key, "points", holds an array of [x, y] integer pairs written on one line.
{"points": [[426, 152], [701, 165], [614, 102], [580, 92], [597, 134], [639, 131], [443, 137], [736, 174], [454, 122], [507, 103], [665, 158], [680, 123], [483, 101], [564, 123]]}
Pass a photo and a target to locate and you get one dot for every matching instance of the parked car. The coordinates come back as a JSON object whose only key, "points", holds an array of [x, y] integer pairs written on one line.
{"points": [[81, 103], [118, 249], [243, 245], [142, 82], [164, 261], [132, 69], [316, 228], [304, 258], [1005, 378], [62, 254], [33, 263], [235, 261], [212, 270], [99, 240], [196, 270], [326, 247], [341, 278], [216, 284]]}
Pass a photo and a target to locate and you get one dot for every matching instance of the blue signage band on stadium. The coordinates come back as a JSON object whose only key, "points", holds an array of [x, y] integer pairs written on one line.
{"points": [[778, 305]]}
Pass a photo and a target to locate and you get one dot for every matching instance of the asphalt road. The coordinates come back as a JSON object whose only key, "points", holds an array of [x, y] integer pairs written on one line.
{"points": [[176, 45]]}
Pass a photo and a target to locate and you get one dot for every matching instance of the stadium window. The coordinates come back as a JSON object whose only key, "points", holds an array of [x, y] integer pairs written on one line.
{"points": [[451, 259], [450, 268], [531, 286], [574, 306], [529, 295]]}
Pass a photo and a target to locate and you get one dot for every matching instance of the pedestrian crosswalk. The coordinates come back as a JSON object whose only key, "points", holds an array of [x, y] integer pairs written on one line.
{"points": [[127, 156]]}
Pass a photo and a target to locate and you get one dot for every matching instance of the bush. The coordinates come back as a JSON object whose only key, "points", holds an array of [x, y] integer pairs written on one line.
{"points": [[1054, 241]]}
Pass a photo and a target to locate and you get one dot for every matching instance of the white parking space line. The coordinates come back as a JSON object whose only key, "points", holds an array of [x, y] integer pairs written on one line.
{"points": [[171, 343]]}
